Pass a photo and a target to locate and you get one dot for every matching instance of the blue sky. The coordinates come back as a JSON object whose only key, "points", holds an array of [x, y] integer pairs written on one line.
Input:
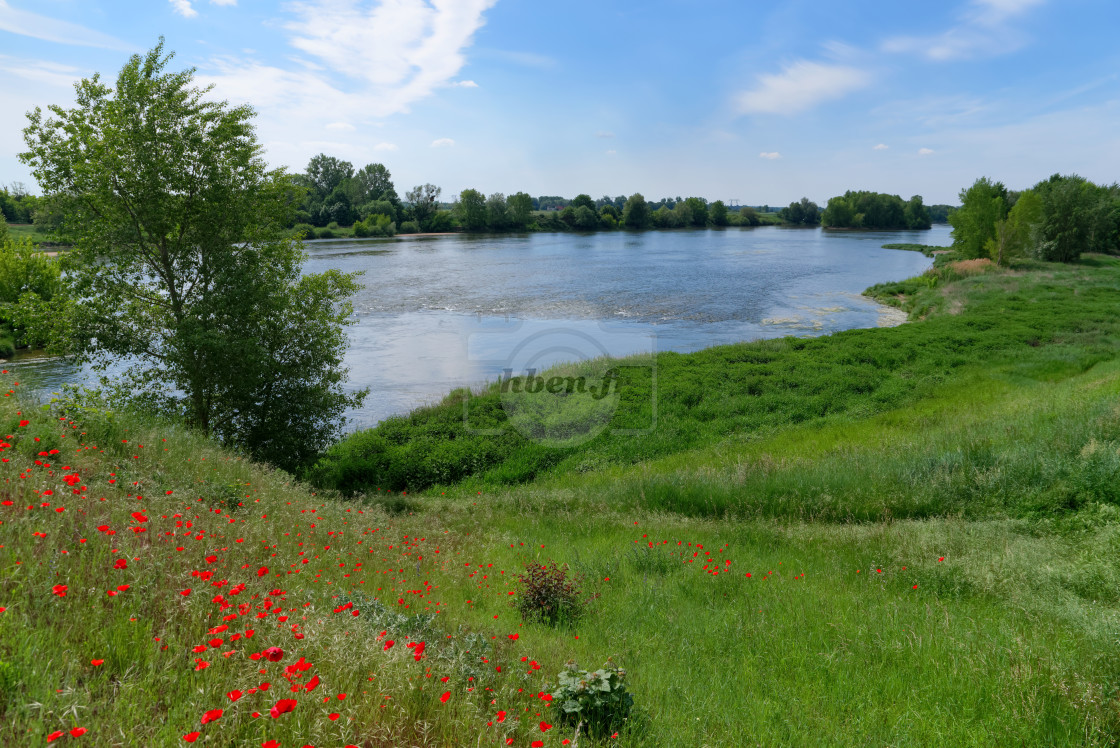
{"points": [[759, 102]]}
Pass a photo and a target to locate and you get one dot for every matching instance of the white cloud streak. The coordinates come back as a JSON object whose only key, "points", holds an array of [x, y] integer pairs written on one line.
{"points": [[37, 26], [986, 29], [442, 143], [183, 8], [801, 86], [880, 147], [770, 155]]}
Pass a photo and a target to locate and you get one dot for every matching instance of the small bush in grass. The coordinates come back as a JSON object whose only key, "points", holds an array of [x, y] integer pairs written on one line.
{"points": [[551, 594], [598, 701], [324, 234], [410, 227]]}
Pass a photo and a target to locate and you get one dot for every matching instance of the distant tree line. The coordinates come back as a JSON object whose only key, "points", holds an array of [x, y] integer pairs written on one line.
{"points": [[1055, 220], [875, 210]]}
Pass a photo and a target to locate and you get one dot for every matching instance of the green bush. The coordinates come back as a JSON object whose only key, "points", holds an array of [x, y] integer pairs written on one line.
{"points": [[410, 227], [333, 226], [597, 700], [305, 229], [324, 234], [361, 230], [551, 594]]}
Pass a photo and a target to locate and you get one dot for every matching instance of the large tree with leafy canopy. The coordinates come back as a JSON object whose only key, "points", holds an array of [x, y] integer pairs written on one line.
{"points": [[182, 266]]}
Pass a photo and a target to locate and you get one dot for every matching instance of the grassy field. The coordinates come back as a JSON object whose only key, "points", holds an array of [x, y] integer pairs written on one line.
{"points": [[935, 561]]}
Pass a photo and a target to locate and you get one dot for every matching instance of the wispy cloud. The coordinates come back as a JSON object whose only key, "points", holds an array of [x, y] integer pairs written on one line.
{"points": [[378, 56], [925, 151], [385, 147], [800, 86], [49, 29], [986, 28], [604, 134], [341, 126], [442, 143], [880, 147], [770, 155], [183, 8], [223, 2]]}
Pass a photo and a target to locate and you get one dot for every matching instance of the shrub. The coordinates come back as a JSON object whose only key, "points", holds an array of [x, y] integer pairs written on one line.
{"points": [[306, 229], [333, 226], [324, 234], [598, 701], [551, 594], [361, 229], [409, 227]]}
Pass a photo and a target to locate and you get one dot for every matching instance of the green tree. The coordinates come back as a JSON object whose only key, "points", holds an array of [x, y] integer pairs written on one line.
{"points": [[183, 265], [585, 218], [635, 213], [497, 217], [983, 205], [698, 208], [470, 209], [424, 200], [374, 182], [803, 213], [519, 209], [584, 200], [325, 173], [717, 213]]}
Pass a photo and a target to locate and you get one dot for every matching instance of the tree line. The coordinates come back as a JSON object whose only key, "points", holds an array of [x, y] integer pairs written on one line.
{"points": [[1055, 220]]}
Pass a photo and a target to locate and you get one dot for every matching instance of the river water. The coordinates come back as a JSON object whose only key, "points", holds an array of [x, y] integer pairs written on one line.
{"points": [[436, 313]]}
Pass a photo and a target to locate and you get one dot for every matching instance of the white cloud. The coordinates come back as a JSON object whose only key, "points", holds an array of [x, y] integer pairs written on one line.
{"points": [[442, 143], [612, 152], [800, 86], [183, 8], [343, 126], [385, 147], [223, 2], [986, 28], [880, 147], [604, 134], [465, 84], [52, 30], [770, 155], [925, 151]]}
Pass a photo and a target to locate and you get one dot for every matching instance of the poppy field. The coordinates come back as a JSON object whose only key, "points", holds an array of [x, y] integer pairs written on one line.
{"points": [[944, 573]]}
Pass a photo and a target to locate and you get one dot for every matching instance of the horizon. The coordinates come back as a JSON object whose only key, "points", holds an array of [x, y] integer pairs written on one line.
{"points": [[661, 99]]}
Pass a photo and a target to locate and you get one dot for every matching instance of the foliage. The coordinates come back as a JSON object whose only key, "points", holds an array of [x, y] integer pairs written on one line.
{"points": [[424, 202], [874, 210], [519, 210], [551, 594], [718, 213], [982, 206], [31, 293], [598, 700], [184, 267], [635, 214], [470, 209], [803, 213]]}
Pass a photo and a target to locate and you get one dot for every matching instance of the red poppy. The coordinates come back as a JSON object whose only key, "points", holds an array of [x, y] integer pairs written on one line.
{"points": [[283, 706], [262, 571], [212, 715], [332, 716], [190, 737], [234, 695], [120, 563], [96, 663], [545, 727], [388, 643], [274, 654], [78, 732], [445, 697], [60, 590], [57, 733]]}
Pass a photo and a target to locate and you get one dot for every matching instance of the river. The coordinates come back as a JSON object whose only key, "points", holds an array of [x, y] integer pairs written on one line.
{"points": [[436, 313]]}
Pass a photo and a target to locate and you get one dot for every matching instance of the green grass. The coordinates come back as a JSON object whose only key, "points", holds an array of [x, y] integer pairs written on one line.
{"points": [[29, 231], [926, 249], [936, 567]]}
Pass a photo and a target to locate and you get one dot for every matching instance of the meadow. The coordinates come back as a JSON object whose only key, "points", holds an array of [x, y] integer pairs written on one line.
{"points": [[904, 536]]}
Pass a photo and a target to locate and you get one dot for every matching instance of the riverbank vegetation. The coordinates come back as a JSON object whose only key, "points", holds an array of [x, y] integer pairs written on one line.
{"points": [[875, 210], [1056, 220]]}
